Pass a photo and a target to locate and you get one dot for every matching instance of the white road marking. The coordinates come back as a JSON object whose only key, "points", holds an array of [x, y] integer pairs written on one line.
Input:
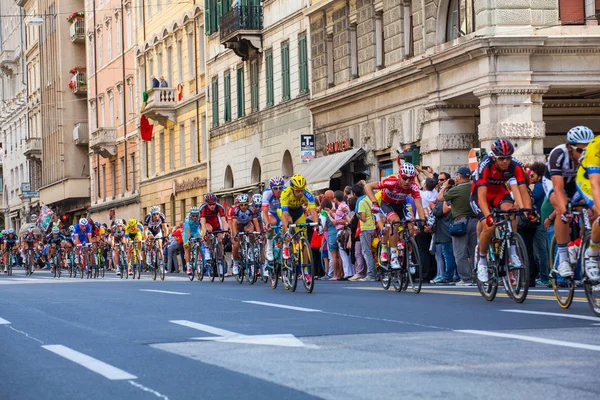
{"points": [[94, 365], [163, 291], [205, 328], [533, 339], [260, 303], [3, 321], [147, 389], [574, 316]]}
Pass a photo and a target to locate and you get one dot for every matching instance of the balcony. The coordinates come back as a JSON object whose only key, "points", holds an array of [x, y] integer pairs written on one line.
{"points": [[81, 134], [103, 141], [77, 30], [33, 148], [161, 105], [78, 84], [8, 62], [241, 30]]}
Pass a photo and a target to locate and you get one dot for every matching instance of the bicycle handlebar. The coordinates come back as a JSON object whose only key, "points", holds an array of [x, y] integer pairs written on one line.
{"points": [[303, 225], [511, 211]]}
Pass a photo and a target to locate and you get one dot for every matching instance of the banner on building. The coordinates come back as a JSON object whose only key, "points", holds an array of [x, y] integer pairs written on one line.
{"points": [[307, 148]]}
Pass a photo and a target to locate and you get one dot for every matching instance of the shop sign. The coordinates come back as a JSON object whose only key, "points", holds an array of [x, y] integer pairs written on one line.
{"points": [[190, 184], [341, 145], [307, 148]]}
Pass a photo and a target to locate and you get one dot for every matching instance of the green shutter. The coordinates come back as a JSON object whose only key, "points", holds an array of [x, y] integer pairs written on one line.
{"points": [[241, 103], [269, 72], [303, 65], [219, 12], [215, 102], [254, 85], [227, 94], [207, 26], [285, 71]]}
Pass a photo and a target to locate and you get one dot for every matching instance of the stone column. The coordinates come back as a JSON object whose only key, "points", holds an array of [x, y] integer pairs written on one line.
{"points": [[513, 113], [449, 131]]}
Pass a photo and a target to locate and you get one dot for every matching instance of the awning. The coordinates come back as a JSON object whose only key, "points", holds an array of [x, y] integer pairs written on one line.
{"points": [[320, 170]]}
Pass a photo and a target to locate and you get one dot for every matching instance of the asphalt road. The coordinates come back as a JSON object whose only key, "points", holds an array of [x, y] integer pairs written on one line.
{"points": [[118, 339]]}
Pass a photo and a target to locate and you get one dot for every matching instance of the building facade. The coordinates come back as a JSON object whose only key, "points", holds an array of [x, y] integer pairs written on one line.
{"points": [[108, 31], [174, 162], [65, 177], [257, 67], [448, 75], [18, 144]]}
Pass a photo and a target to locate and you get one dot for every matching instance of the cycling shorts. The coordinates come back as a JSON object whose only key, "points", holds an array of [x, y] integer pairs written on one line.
{"points": [[193, 233], [277, 215], [496, 196], [137, 236], [390, 209]]}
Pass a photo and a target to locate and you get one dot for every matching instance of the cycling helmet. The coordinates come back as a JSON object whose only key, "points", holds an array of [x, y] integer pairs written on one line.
{"points": [[407, 170], [30, 229], [11, 231], [276, 181], [242, 199], [502, 148], [71, 229], [4, 232], [256, 199], [55, 230], [97, 224], [132, 222], [119, 222], [154, 210], [580, 135], [83, 221], [298, 182], [210, 198], [194, 211]]}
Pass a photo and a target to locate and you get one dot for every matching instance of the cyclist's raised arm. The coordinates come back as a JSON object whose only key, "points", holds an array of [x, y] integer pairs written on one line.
{"points": [[369, 190], [595, 183]]}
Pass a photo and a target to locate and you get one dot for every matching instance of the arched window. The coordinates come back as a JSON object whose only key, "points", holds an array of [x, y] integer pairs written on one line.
{"points": [[256, 171], [287, 167], [228, 177], [460, 20]]}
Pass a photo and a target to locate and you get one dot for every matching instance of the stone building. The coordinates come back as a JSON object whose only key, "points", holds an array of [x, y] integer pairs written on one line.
{"points": [[109, 29], [174, 163], [449, 75], [257, 67]]}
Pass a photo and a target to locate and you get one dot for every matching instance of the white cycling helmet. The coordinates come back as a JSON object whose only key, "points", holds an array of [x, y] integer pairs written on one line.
{"points": [[256, 199], [154, 210], [83, 221], [407, 170], [580, 135], [242, 198]]}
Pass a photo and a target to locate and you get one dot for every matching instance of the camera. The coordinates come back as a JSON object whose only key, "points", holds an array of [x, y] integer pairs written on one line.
{"points": [[451, 182]]}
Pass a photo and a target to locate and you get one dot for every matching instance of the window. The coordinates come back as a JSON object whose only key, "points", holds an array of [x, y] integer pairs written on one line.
{"points": [[241, 104], [227, 94], [254, 85], [285, 71], [303, 64], [109, 42], [104, 182], [129, 28], [460, 20], [194, 140], [145, 160], [269, 75], [159, 64], [130, 88], [152, 145], [172, 148], [573, 12], [215, 102], [204, 137], [195, 201], [212, 16], [181, 145], [96, 179], [201, 40], [132, 168], [379, 56], [123, 176], [182, 208], [158, 6], [170, 66], [121, 105], [148, 11], [100, 49], [111, 109], [190, 50], [179, 62], [101, 105], [119, 34], [113, 177], [161, 150]]}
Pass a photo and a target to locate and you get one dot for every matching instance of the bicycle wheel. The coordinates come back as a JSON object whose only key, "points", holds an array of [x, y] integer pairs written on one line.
{"points": [[520, 274], [413, 265], [59, 266], [287, 274], [201, 270], [295, 269], [153, 268], [10, 265], [163, 268], [239, 277], [307, 270], [384, 274], [102, 267], [219, 263], [193, 267], [274, 274], [564, 288], [54, 268], [489, 289]]}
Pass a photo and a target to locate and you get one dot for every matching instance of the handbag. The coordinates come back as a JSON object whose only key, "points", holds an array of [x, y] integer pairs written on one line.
{"points": [[459, 229]]}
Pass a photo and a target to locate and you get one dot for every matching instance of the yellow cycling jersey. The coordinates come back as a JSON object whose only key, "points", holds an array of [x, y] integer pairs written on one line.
{"points": [[290, 202], [136, 230], [590, 164]]}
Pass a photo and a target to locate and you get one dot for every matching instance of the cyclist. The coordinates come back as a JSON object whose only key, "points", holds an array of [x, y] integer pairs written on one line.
{"points": [[118, 236], [28, 241], [191, 228], [559, 185], [588, 185], [243, 219], [55, 240], [2, 236], [156, 223], [212, 218], [271, 211], [82, 235], [395, 192], [11, 241], [255, 207], [292, 200], [489, 191], [134, 231]]}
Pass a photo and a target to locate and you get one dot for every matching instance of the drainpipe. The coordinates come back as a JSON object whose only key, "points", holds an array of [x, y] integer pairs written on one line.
{"points": [[96, 90], [124, 94]]}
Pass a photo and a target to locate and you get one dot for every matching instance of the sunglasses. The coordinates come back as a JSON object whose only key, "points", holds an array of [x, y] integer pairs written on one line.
{"points": [[504, 158], [243, 204], [578, 150], [406, 179], [441, 180], [277, 187]]}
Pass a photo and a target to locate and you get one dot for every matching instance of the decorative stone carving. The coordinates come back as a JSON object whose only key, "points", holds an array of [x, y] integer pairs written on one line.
{"points": [[460, 141], [516, 130], [418, 134]]}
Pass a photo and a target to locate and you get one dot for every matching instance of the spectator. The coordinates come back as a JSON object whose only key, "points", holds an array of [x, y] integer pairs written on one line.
{"points": [[347, 193], [173, 247], [328, 222], [356, 251], [540, 246], [329, 194], [443, 177], [344, 234], [527, 231], [163, 82], [443, 241], [464, 225], [366, 228], [155, 82]]}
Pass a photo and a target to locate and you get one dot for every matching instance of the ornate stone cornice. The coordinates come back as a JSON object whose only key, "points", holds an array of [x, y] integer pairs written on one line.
{"points": [[510, 90], [459, 141], [571, 104], [442, 105], [512, 130]]}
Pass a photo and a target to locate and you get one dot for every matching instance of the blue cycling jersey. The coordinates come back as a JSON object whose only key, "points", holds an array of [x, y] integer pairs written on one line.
{"points": [[193, 226], [82, 234]]}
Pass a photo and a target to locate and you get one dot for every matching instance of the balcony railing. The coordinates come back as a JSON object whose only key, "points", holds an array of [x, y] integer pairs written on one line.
{"points": [[104, 142], [33, 148], [79, 83], [161, 105], [81, 133], [77, 30], [242, 18]]}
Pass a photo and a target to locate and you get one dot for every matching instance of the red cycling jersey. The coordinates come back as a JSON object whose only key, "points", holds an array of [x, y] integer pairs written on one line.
{"points": [[488, 173], [213, 217], [393, 193]]}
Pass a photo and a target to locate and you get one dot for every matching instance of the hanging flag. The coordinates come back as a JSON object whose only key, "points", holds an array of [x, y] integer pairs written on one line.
{"points": [[145, 128]]}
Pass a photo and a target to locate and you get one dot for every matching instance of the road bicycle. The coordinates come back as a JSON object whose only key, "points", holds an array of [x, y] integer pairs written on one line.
{"points": [[136, 260], [300, 261], [122, 260], [10, 260], [501, 267], [69, 260], [275, 267], [56, 262], [216, 264], [411, 270], [196, 262], [155, 262], [29, 260], [250, 257]]}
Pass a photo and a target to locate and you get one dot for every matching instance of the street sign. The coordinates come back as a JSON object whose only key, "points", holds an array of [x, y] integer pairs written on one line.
{"points": [[307, 148], [473, 161], [25, 187], [29, 194]]}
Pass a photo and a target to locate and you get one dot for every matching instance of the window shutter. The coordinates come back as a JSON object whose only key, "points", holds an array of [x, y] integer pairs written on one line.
{"points": [[572, 12], [207, 27], [270, 94], [219, 12]]}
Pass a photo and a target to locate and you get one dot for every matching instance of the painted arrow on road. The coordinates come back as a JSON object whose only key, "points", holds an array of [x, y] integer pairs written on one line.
{"points": [[222, 335]]}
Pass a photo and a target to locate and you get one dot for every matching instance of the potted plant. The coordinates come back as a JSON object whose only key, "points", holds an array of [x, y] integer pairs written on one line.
{"points": [[77, 69], [75, 16]]}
